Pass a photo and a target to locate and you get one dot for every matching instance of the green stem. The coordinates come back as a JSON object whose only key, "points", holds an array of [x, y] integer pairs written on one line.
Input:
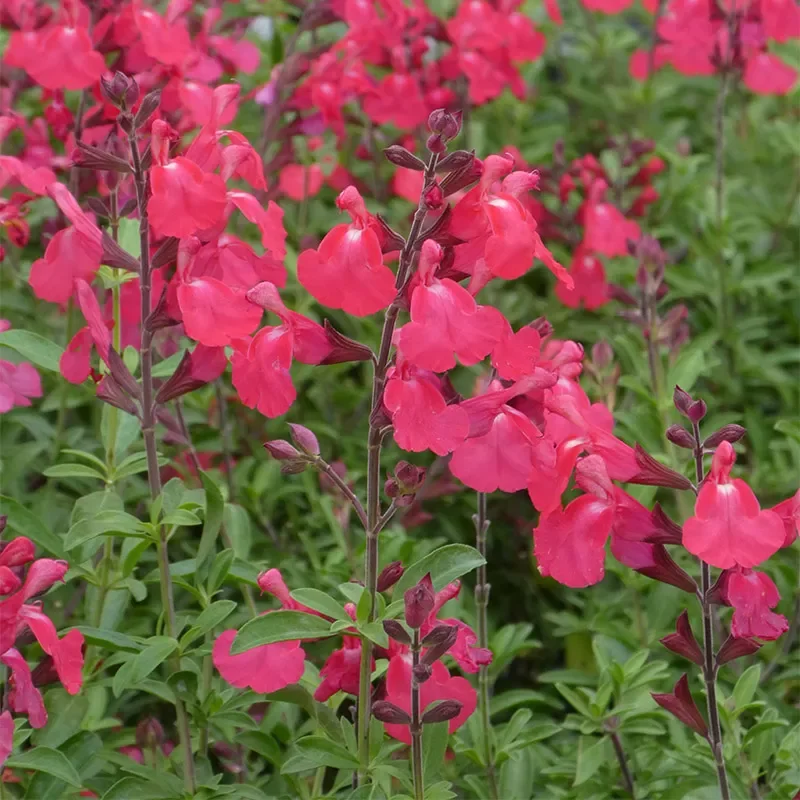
{"points": [[374, 481], [482, 589]]}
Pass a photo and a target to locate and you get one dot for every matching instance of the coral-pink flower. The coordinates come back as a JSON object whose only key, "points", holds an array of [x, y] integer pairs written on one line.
{"points": [[347, 271], [753, 595], [728, 527]]}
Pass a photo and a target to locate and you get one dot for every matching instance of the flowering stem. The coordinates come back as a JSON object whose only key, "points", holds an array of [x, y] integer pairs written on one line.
{"points": [[375, 438], [482, 589], [709, 666], [627, 777], [416, 723], [149, 434], [341, 484]]}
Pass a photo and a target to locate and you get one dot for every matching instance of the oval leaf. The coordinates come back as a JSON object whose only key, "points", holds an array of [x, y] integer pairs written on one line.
{"points": [[445, 564], [35, 348], [49, 761], [280, 626]]}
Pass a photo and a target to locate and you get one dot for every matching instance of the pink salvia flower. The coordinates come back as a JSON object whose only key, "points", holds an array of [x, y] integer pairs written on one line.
{"points": [[728, 527]]}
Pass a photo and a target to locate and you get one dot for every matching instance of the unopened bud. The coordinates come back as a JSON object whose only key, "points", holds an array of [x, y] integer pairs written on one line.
{"points": [[682, 400], [409, 477], [433, 197], [401, 157], [727, 433], [419, 602], [444, 123], [697, 411], [422, 672], [149, 734], [384, 711], [293, 467], [394, 630], [389, 576], [149, 104], [304, 439], [679, 436], [121, 91], [281, 450], [343, 349], [442, 712], [602, 354], [734, 648], [441, 644], [436, 143], [109, 391]]}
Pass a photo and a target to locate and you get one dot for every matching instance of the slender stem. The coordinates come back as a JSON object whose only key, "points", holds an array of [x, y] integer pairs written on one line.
{"points": [[374, 483], [709, 666], [482, 589], [225, 436], [341, 484], [149, 434], [416, 724], [627, 777], [207, 676]]}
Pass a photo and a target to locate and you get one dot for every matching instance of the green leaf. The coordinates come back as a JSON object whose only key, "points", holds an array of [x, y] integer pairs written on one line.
{"points": [[35, 348], [110, 640], [133, 465], [49, 761], [375, 633], [181, 516], [208, 620], [26, 523], [746, 686], [319, 601], [215, 506], [74, 471], [158, 649], [219, 570], [80, 751], [279, 626], [445, 564], [434, 746], [129, 236], [324, 752], [576, 700], [590, 758], [110, 521]]}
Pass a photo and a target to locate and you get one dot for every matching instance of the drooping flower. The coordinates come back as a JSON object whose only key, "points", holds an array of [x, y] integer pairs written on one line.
{"points": [[440, 686], [263, 669], [728, 527], [590, 284], [341, 670], [789, 511], [347, 271], [753, 595], [72, 254], [569, 544]]}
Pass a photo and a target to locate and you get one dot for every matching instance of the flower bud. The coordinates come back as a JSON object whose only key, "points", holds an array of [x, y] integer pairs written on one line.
{"points": [[293, 467], [150, 103], [109, 391], [433, 197], [727, 433], [696, 411], [443, 642], [436, 144], [384, 711], [602, 354], [121, 91], [394, 630], [440, 634], [679, 436], [442, 712], [680, 704], [422, 672], [444, 123], [419, 602], [409, 477], [281, 450], [389, 576], [654, 473], [149, 734], [401, 157], [89, 157], [343, 350], [304, 439], [462, 177], [683, 401]]}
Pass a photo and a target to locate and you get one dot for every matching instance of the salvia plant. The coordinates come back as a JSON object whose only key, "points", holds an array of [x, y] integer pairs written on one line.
{"points": [[199, 599]]}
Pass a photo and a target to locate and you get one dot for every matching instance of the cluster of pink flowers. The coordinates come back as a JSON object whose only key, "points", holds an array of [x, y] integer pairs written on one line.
{"points": [[271, 667], [21, 612]]}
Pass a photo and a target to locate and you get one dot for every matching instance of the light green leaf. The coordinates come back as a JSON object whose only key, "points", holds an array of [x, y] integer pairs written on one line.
{"points": [[49, 761], [326, 753], [35, 348], [592, 754], [445, 564], [26, 523], [215, 506], [279, 626], [746, 686], [74, 471], [319, 601], [208, 620]]}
